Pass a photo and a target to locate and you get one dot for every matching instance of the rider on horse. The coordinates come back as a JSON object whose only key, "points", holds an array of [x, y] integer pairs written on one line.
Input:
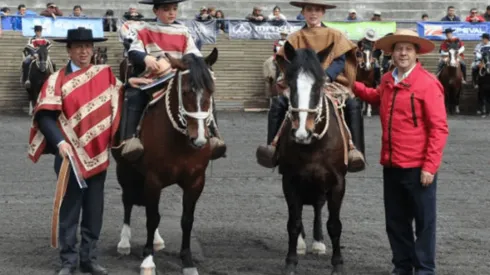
{"points": [[153, 40], [482, 47], [30, 52], [369, 39], [279, 43], [444, 50], [340, 68]]}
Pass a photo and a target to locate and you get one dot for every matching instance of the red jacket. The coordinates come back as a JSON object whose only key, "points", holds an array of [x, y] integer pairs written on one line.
{"points": [[479, 17], [413, 119]]}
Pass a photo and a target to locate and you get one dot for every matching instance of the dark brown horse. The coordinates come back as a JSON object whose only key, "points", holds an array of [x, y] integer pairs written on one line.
{"points": [[100, 56], [175, 134], [451, 79], [312, 155], [39, 71], [365, 70]]}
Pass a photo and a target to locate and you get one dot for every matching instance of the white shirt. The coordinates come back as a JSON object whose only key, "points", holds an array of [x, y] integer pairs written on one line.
{"points": [[405, 75]]}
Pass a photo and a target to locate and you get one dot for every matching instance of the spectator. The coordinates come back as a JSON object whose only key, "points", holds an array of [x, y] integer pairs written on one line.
{"points": [[221, 24], [77, 12], [451, 15], [276, 15], [21, 11], [51, 11], [474, 17], [203, 15], [133, 14], [487, 14], [300, 17], [212, 11], [6, 19], [376, 16], [352, 16], [425, 17], [256, 15], [109, 21]]}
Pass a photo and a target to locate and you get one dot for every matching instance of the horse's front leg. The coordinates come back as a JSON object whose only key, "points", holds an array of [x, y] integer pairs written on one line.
{"points": [[457, 96], [318, 246], [124, 245], [334, 225], [192, 192], [295, 209], [152, 197]]}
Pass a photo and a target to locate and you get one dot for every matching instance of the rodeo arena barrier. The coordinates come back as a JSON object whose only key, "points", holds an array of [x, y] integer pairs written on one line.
{"points": [[243, 48]]}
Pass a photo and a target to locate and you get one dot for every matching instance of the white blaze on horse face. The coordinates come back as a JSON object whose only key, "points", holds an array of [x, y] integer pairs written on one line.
{"points": [[368, 59], [201, 131], [453, 58], [304, 84]]}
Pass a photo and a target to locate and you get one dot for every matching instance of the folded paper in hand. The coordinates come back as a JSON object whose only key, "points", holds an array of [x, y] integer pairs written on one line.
{"points": [[157, 82], [78, 174]]}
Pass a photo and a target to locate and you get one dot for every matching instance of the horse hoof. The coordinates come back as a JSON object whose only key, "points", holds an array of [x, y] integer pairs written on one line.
{"points": [[147, 266], [190, 271], [123, 250], [158, 246], [301, 246], [338, 270], [158, 243], [318, 248]]}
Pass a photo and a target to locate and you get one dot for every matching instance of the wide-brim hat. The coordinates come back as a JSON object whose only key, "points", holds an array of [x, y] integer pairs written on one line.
{"points": [[302, 3], [449, 30], [370, 34], [80, 35], [38, 27], [159, 2], [405, 35]]}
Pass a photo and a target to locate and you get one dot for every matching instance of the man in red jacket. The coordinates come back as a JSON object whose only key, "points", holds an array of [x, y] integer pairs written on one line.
{"points": [[415, 130]]}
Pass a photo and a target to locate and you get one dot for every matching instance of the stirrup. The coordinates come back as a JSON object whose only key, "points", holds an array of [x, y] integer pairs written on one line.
{"points": [[266, 156], [356, 162], [218, 148], [132, 149]]}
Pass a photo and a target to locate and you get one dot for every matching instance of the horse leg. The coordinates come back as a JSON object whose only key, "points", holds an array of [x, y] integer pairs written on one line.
{"points": [[152, 199], [369, 110], [124, 245], [301, 246], [295, 209], [334, 225], [192, 192], [318, 246]]}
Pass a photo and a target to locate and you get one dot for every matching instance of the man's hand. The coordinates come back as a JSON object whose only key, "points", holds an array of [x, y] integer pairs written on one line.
{"points": [[152, 63], [426, 178], [54, 16], [136, 82], [65, 149]]}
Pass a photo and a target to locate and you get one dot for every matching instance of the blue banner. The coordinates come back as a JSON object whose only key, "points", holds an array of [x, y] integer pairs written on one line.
{"points": [[59, 27], [463, 30]]}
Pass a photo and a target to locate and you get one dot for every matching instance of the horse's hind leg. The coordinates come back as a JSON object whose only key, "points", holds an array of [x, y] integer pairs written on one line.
{"points": [[295, 209], [318, 246], [192, 192], [124, 245], [334, 225], [301, 246]]}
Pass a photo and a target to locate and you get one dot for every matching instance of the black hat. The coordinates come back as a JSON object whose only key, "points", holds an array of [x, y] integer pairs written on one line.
{"points": [[38, 28], [160, 2], [449, 30], [486, 35], [80, 35]]}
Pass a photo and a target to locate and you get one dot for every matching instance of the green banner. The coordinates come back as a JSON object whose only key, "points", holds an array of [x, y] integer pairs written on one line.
{"points": [[355, 30]]}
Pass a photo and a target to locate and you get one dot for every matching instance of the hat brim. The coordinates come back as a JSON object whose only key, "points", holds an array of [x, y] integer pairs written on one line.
{"points": [[301, 4], [64, 40], [386, 43], [153, 2]]}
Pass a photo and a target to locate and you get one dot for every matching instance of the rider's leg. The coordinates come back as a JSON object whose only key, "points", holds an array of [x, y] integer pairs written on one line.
{"points": [[277, 113], [474, 74], [463, 69], [440, 66], [25, 72], [355, 122], [377, 73], [218, 146], [134, 104]]}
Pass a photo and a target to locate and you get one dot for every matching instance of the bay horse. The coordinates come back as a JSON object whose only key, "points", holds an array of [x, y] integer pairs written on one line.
{"points": [[451, 79], [484, 84], [365, 71], [39, 71], [312, 155], [100, 56], [175, 134]]}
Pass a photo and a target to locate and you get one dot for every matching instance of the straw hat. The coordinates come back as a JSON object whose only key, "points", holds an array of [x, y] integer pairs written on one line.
{"points": [[302, 3], [405, 35], [370, 35]]}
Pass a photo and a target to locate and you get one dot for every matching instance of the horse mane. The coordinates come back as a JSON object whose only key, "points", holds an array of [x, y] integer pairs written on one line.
{"points": [[305, 61], [199, 75]]}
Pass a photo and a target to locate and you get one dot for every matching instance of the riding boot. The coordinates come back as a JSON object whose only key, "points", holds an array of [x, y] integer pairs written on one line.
{"points": [[266, 154], [134, 104], [218, 146], [25, 74], [474, 77], [463, 70], [355, 122]]}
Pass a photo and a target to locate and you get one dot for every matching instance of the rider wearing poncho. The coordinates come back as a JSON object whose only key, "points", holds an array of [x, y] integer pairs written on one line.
{"points": [[30, 52], [481, 48], [444, 50]]}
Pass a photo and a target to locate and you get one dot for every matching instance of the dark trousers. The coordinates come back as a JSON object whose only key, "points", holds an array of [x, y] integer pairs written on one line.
{"points": [[407, 200], [90, 202]]}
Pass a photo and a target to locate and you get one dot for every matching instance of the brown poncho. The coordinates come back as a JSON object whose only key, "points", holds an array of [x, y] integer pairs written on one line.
{"points": [[321, 37]]}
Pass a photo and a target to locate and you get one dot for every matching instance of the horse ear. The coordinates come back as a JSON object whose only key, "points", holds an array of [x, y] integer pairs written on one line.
{"points": [[212, 57], [175, 62], [322, 55], [289, 51]]}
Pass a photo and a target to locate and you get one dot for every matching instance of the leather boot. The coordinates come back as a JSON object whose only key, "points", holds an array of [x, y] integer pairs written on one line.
{"points": [[133, 108], [355, 122], [266, 154], [218, 146], [463, 70]]}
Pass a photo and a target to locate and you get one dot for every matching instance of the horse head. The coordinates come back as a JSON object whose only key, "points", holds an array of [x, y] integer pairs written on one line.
{"points": [[42, 56], [453, 55], [304, 75], [195, 88], [100, 56], [366, 56]]}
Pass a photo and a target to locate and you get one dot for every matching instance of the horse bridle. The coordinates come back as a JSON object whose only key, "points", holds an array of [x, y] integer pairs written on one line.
{"points": [[182, 112]]}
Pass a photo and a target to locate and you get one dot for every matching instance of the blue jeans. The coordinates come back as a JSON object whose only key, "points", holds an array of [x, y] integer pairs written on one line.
{"points": [[405, 200]]}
